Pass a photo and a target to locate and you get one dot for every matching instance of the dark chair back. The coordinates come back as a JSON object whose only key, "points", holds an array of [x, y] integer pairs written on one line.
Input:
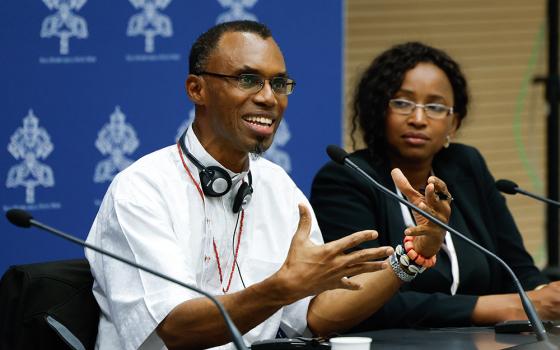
{"points": [[48, 306]]}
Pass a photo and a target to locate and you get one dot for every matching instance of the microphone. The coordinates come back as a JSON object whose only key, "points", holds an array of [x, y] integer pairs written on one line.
{"points": [[22, 218], [340, 156], [510, 187]]}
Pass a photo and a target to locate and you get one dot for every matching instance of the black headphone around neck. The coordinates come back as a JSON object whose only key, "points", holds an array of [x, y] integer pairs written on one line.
{"points": [[216, 182]]}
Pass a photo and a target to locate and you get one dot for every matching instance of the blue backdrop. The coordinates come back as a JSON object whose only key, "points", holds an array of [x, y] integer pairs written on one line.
{"points": [[89, 86]]}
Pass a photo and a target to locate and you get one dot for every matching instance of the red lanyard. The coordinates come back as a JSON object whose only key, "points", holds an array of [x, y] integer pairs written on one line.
{"points": [[213, 241]]}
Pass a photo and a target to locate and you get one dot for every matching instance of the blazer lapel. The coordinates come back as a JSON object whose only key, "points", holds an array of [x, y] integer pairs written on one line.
{"points": [[464, 190]]}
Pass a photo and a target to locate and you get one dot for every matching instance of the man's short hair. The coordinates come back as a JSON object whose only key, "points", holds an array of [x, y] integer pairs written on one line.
{"points": [[207, 41]]}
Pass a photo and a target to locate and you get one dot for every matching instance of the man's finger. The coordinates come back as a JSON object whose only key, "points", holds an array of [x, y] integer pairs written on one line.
{"points": [[365, 255], [351, 241], [304, 224]]}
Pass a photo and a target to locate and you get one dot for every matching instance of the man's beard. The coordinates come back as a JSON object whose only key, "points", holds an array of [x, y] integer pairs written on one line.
{"points": [[258, 149]]}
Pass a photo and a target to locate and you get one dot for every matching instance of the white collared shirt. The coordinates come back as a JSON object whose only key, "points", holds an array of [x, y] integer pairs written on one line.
{"points": [[153, 214]]}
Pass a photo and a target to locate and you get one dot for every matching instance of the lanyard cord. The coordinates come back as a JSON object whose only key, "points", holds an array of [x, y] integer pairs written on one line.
{"points": [[201, 193]]}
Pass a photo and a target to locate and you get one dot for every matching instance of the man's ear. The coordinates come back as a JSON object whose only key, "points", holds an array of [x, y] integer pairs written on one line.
{"points": [[194, 86]]}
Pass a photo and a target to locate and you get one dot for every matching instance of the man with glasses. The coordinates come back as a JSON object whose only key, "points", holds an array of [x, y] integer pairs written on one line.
{"points": [[185, 211]]}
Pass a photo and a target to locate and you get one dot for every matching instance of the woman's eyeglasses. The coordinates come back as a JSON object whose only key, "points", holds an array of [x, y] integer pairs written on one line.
{"points": [[432, 110]]}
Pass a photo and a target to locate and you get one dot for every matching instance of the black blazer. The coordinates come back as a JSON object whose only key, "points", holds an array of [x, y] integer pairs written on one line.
{"points": [[344, 203]]}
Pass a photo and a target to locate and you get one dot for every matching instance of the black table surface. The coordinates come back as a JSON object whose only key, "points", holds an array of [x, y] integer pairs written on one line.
{"points": [[467, 338]]}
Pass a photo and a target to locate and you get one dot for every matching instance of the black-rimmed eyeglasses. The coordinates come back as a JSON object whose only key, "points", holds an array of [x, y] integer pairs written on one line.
{"points": [[253, 83]]}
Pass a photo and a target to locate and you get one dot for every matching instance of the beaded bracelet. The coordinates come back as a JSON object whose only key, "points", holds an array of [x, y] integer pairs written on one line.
{"points": [[407, 263], [414, 256], [398, 268]]}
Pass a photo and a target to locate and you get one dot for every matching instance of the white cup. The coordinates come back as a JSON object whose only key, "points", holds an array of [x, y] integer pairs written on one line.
{"points": [[350, 343]]}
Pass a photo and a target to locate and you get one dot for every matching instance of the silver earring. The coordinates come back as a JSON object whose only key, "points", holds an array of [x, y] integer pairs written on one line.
{"points": [[447, 141]]}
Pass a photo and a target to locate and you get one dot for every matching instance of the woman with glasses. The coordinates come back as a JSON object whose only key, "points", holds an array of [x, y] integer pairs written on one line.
{"points": [[408, 106]]}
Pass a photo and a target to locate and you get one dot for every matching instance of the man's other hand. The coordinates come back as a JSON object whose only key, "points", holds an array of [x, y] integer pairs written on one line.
{"points": [[311, 269]]}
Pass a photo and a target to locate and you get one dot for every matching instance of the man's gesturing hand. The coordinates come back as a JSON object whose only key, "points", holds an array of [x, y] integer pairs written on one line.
{"points": [[311, 269]]}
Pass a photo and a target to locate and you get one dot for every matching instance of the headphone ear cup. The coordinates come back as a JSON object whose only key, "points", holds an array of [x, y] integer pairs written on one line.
{"points": [[205, 179], [243, 197], [215, 181]]}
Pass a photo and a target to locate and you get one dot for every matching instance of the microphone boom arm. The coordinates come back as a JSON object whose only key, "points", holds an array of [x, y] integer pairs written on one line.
{"points": [[236, 335], [540, 331], [537, 197]]}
